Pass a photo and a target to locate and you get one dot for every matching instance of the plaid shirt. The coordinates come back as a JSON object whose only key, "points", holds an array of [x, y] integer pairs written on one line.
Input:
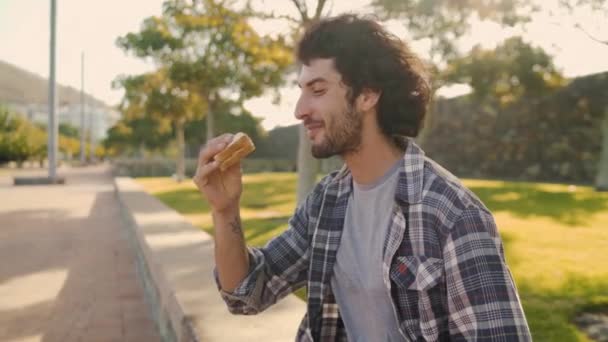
{"points": [[444, 264]]}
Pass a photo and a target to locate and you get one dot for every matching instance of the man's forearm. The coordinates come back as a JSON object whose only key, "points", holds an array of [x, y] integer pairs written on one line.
{"points": [[231, 256]]}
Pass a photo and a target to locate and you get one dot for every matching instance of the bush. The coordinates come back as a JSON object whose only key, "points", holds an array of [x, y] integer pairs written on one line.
{"points": [[20, 140], [164, 167]]}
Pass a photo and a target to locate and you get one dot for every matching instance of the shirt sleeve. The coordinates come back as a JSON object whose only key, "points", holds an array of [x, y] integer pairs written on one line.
{"points": [[275, 270], [482, 297]]}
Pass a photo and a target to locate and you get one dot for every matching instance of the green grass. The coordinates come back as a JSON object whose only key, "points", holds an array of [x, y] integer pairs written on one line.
{"points": [[555, 236]]}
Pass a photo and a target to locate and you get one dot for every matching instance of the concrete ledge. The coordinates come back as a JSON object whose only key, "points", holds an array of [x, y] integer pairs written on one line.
{"points": [[175, 263]]}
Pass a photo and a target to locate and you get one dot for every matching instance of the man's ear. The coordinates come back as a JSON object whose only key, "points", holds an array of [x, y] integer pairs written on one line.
{"points": [[368, 99]]}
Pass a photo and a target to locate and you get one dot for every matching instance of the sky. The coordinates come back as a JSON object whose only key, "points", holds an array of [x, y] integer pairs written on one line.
{"points": [[92, 27]]}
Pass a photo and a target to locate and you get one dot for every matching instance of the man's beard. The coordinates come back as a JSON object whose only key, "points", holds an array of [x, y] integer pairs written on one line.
{"points": [[343, 136]]}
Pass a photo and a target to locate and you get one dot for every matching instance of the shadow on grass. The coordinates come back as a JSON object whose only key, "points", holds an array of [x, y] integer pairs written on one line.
{"points": [[551, 313], [527, 200]]}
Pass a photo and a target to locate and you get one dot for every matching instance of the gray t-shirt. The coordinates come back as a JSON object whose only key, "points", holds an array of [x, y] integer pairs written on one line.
{"points": [[364, 301]]}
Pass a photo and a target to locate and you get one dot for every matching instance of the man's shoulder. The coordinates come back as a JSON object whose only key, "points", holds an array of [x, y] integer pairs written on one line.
{"points": [[315, 196], [445, 194], [320, 187]]}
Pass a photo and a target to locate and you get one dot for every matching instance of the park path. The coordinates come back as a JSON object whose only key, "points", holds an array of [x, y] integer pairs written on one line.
{"points": [[67, 271]]}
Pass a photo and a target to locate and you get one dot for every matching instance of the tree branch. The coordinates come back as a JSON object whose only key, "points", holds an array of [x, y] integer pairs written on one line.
{"points": [[301, 6], [320, 5], [578, 26], [272, 15]]}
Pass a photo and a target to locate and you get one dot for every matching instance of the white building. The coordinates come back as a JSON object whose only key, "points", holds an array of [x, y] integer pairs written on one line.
{"points": [[97, 118]]}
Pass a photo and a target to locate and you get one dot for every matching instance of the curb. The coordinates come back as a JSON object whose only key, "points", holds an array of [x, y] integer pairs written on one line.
{"points": [[175, 263]]}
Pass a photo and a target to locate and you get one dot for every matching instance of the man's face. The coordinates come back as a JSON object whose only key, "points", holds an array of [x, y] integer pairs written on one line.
{"points": [[332, 123]]}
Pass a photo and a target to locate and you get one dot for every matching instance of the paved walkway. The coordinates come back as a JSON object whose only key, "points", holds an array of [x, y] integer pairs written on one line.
{"points": [[66, 268]]}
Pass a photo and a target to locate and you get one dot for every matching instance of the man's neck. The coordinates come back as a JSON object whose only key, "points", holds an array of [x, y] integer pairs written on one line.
{"points": [[376, 155]]}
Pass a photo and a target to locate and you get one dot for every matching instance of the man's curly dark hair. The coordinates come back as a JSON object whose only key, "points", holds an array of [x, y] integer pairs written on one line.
{"points": [[368, 56]]}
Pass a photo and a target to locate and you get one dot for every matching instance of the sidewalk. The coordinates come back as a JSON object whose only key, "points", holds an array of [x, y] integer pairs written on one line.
{"points": [[66, 267]]}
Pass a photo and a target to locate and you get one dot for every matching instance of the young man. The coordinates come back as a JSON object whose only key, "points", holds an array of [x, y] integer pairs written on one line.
{"points": [[392, 247]]}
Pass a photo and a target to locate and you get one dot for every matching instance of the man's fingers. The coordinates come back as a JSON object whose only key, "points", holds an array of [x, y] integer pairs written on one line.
{"points": [[206, 164], [203, 173], [208, 151], [213, 147]]}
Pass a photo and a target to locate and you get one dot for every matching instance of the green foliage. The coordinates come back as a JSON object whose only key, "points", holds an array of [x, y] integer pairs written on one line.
{"points": [[210, 60], [162, 167], [230, 117], [211, 48], [19, 139], [133, 134], [281, 143], [507, 74], [443, 22], [68, 130], [156, 96], [553, 138]]}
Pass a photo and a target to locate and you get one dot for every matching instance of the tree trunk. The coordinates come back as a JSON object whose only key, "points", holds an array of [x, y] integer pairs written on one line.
{"points": [[141, 151], [181, 163], [308, 167], [601, 181], [210, 125]]}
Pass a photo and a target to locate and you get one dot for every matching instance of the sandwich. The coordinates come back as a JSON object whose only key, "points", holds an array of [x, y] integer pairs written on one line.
{"points": [[240, 146]]}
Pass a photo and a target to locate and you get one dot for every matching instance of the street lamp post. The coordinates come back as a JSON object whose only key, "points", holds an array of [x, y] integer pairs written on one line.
{"points": [[82, 125], [52, 127]]}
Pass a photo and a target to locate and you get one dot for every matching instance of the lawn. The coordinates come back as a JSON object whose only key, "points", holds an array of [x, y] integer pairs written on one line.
{"points": [[555, 236]]}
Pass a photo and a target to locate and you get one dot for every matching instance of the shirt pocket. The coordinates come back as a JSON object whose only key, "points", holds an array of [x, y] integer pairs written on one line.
{"points": [[418, 273]]}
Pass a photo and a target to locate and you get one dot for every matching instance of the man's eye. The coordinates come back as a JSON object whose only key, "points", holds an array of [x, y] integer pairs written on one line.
{"points": [[318, 92]]}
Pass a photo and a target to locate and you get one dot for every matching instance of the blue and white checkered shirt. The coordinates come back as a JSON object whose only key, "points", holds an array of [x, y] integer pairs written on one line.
{"points": [[444, 263]]}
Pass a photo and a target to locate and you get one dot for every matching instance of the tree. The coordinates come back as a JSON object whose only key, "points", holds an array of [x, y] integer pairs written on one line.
{"points": [[68, 130], [443, 23], [596, 7], [601, 180], [307, 165], [155, 99], [506, 74], [137, 130], [599, 8], [138, 134], [230, 117], [505, 123], [207, 52], [439, 21], [20, 140]]}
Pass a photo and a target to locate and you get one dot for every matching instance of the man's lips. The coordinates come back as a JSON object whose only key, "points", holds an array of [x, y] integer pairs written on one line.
{"points": [[312, 129]]}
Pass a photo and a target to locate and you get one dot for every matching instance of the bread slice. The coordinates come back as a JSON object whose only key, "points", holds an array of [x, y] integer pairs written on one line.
{"points": [[240, 146]]}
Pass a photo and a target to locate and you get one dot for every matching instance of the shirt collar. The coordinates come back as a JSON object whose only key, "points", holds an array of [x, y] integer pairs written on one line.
{"points": [[409, 185]]}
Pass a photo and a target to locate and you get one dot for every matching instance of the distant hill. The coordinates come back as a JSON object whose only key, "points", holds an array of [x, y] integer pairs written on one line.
{"points": [[19, 86]]}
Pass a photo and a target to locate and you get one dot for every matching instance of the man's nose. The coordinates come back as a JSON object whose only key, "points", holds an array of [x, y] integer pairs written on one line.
{"points": [[303, 109]]}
